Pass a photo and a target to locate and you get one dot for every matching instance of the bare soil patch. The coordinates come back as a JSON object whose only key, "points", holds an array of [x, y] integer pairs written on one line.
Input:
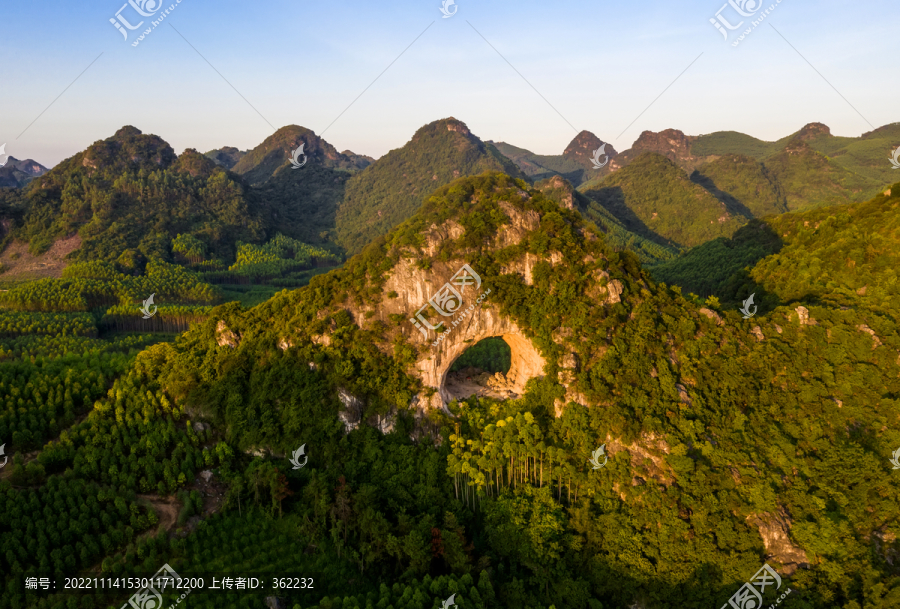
{"points": [[25, 267], [166, 509]]}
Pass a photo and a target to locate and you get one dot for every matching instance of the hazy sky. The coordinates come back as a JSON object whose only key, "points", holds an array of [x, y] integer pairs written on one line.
{"points": [[599, 64]]}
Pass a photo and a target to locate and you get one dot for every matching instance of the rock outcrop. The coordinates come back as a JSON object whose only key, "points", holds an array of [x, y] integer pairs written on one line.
{"points": [[802, 315], [775, 528], [225, 337]]}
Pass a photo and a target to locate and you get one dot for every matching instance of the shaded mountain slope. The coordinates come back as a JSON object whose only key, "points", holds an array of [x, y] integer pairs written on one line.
{"points": [[392, 188], [227, 157], [742, 183], [617, 236], [655, 199], [845, 256], [16, 173]]}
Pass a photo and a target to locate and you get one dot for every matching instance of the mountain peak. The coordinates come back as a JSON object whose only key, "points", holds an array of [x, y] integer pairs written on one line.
{"points": [[813, 131], [128, 149], [127, 131], [456, 125], [449, 124], [668, 140], [583, 147], [261, 163]]}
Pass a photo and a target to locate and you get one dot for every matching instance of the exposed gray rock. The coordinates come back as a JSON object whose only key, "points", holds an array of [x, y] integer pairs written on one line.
{"points": [[273, 602], [351, 413]]}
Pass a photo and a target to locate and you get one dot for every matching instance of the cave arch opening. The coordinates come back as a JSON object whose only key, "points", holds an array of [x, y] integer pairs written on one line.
{"points": [[495, 366]]}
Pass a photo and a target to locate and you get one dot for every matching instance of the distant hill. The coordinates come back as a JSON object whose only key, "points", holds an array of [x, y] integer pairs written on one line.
{"points": [[132, 192], [655, 199], [847, 256], [392, 188], [16, 173], [227, 157], [274, 153], [808, 168], [574, 164]]}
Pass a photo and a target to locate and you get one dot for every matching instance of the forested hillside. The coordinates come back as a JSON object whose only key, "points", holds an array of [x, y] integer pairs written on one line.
{"points": [[730, 442], [617, 236], [131, 192], [842, 256], [393, 187], [654, 198], [752, 178]]}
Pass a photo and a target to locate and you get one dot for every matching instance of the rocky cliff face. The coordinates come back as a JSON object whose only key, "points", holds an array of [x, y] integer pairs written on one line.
{"points": [[672, 144], [581, 149], [438, 299]]}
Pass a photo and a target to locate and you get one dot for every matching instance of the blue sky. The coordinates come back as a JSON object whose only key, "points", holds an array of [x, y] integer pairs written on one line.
{"points": [[600, 64]]}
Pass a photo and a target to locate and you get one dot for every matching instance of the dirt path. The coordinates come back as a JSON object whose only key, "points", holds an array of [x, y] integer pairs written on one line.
{"points": [[6, 470], [166, 509]]}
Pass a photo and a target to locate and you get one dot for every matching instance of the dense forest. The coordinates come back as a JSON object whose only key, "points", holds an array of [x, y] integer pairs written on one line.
{"points": [[844, 256], [671, 208], [732, 443], [713, 435]]}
